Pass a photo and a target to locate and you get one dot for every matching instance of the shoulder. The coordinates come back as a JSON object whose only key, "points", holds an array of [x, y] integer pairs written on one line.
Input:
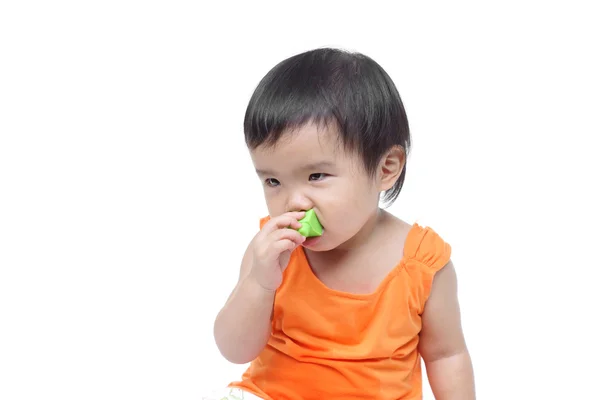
{"points": [[426, 255], [426, 247]]}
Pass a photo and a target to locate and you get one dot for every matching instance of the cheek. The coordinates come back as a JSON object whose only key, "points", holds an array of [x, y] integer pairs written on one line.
{"points": [[346, 206], [361, 194]]}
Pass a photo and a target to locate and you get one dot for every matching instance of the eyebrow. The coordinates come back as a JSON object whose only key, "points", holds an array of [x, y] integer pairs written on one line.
{"points": [[312, 166]]}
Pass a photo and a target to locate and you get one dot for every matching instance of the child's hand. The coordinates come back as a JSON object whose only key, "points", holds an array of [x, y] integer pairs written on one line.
{"points": [[272, 247]]}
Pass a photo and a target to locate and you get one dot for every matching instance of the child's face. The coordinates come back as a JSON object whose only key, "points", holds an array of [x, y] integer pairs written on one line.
{"points": [[309, 168]]}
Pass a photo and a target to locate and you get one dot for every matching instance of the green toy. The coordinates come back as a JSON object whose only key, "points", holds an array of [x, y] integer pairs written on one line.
{"points": [[310, 225]]}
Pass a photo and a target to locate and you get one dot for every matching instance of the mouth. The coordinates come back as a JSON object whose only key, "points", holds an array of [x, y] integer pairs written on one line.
{"points": [[312, 241]]}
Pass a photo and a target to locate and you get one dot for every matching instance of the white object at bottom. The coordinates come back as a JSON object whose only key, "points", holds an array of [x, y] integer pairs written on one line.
{"points": [[231, 394]]}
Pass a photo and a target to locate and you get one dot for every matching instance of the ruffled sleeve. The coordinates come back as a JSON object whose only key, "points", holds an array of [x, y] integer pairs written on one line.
{"points": [[426, 253]]}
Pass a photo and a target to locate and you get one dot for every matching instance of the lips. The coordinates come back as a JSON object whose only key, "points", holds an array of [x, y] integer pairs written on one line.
{"points": [[312, 241]]}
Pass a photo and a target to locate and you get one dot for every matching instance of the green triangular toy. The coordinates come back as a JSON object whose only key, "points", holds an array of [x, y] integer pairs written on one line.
{"points": [[310, 225]]}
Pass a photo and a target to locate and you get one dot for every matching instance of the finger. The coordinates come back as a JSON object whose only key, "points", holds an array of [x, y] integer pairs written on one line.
{"points": [[286, 233], [290, 219], [284, 221], [284, 245], [265, 244]]}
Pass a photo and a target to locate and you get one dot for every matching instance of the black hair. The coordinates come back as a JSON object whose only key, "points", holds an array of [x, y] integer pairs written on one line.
{"points": [[332, 85]]}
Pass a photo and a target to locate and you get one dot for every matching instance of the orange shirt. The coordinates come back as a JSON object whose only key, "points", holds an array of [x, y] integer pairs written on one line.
{"points": [[327, 345]]}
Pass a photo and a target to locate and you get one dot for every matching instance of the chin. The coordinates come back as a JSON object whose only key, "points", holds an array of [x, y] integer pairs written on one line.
{"points": [[318, 243]]}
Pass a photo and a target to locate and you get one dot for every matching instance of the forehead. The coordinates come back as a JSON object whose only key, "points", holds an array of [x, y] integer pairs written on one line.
{"points": [[309, 144]]}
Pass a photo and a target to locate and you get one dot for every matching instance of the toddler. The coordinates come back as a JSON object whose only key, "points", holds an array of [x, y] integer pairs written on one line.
{"points": [[350, 313]]}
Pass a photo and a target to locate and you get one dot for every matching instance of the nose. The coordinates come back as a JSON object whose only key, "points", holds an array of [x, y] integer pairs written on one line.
{"points": [[297, 201]]}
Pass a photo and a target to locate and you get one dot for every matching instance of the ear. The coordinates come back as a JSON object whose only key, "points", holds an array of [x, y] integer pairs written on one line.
{"points": [[390, 167]]}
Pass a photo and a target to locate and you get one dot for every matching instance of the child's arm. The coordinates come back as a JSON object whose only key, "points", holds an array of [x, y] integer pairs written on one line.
{"points": [[242, 328], [442, 344]]}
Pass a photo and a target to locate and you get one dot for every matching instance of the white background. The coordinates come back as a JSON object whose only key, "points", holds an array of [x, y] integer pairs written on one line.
{"points": [[127, 196]]}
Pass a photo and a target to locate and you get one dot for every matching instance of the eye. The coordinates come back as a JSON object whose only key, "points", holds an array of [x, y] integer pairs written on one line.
{"points": [[317, 177], [272, 182]]}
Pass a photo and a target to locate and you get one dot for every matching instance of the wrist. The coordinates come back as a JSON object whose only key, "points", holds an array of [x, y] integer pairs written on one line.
{"points": [[257, 291]]}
